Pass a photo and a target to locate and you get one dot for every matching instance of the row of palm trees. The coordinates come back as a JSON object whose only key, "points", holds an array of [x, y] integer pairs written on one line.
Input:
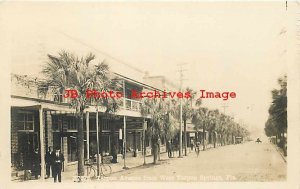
{"points": [[276, 125], [68, 71], [165, 120]]}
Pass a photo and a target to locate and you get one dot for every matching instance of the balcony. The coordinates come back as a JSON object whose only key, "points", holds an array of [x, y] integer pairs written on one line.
{"points": [[31, 91], [132, 105]]}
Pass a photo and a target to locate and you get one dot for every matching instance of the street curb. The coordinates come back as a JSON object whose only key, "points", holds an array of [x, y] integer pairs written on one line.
{"points": [[165, 160], [142, 165], [282, 156]]}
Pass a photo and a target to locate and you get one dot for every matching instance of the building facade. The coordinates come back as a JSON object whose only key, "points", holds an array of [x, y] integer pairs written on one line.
{"points": [[39, 121]]}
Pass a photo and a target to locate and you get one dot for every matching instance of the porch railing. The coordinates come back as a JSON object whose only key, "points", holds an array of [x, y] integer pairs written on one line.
{"points": [[133, 105]]}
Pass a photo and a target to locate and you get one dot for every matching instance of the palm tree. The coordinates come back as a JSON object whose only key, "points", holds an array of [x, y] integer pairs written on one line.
{"points": [[161, 122], [228, 130], [221, 127], [214, 121], [67, 71], [187, 112], [278, 111], [270, 127], [201, 119]]}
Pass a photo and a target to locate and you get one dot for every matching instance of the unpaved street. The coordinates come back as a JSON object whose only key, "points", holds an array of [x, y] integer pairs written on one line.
{"points": [[241, 162]]}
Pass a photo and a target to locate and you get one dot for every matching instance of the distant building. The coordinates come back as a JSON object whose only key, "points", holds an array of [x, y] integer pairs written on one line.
{"points": [[160, 82]]}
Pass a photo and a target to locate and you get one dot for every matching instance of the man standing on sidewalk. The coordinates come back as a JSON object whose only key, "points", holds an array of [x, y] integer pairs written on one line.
{"points": [[57, 162], [36, 166], [48, 162]]}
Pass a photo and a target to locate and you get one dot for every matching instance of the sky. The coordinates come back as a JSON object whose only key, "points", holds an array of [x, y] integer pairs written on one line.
{"points": [[225, 46]]}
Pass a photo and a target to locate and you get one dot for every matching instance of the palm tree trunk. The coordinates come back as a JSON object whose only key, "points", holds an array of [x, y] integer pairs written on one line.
{"points": [[283, 144], [215, 139], [100, 138], [203, 138], [222, 142], [113, 142], [185, 138], [155, 151], [80, 145]]}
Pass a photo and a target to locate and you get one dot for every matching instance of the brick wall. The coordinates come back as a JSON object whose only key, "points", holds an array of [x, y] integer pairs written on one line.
{"points": [[65, 150], [49, 128], [14, 137]]}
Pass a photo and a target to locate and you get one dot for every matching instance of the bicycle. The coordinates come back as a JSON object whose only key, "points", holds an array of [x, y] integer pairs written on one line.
{"points": [[91, 170]]}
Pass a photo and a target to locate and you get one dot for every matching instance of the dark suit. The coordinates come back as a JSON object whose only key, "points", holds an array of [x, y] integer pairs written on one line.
{"points": [[48, 163], [57, 163], [169, 149], [36, 165]]}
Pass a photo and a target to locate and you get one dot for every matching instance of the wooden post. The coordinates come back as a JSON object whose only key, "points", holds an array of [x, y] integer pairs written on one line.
{"points": [[124, 126], [144, 140], [124, 141], [42, 142], [97, 135], [87, 123]]}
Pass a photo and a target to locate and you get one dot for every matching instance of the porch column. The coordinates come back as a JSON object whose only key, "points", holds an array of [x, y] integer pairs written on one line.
{"points": [[124, 126], [87, 123], [124, 141], [42, 143], [134, 144], [97, 130]]}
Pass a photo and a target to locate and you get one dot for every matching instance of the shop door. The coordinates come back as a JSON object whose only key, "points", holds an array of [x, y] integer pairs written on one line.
{"points": [[27, 143]]}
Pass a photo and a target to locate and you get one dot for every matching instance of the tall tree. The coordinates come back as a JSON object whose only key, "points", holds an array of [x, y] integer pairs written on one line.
{"points": [[202, 119], [68, 71], [278, 111], [161, 121], [221, 127], [188, 105]]}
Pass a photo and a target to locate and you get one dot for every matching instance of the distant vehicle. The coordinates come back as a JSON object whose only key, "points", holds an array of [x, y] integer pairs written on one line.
{"points": [[258, 140], [238, 140]]}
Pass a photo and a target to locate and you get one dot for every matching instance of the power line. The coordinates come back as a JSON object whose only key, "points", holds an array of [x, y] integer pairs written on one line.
{"points": [[181, 70], [224, 108], [101, 52]]}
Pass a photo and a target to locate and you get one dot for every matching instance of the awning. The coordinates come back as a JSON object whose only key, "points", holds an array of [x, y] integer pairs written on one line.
{"points": [[22, 103], [32, 104]]}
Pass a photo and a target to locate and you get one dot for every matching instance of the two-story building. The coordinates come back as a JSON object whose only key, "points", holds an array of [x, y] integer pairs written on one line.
{"points": [[39, 121]]}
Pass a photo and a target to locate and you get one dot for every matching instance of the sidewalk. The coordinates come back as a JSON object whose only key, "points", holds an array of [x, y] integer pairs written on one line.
{"points": [[130, 162], [280, 151]]}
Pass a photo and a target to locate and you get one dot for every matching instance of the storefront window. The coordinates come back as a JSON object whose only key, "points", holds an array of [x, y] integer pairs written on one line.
{"points": [[25, 121], [105, 142], [71, 122], [68, 122], [92, 124], [55, 122], [72, 148]]}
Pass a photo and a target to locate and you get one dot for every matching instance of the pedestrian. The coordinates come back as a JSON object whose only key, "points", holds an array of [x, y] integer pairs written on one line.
{"points": [[197, 148], [114, 154], [36, 164], [48, 162], [192, 144], [57, 163], [169, 149]]}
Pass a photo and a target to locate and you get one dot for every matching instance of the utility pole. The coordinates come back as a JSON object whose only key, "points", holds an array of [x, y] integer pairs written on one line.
{"points": [[224, 108], [180, 130], [124, 126]]}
